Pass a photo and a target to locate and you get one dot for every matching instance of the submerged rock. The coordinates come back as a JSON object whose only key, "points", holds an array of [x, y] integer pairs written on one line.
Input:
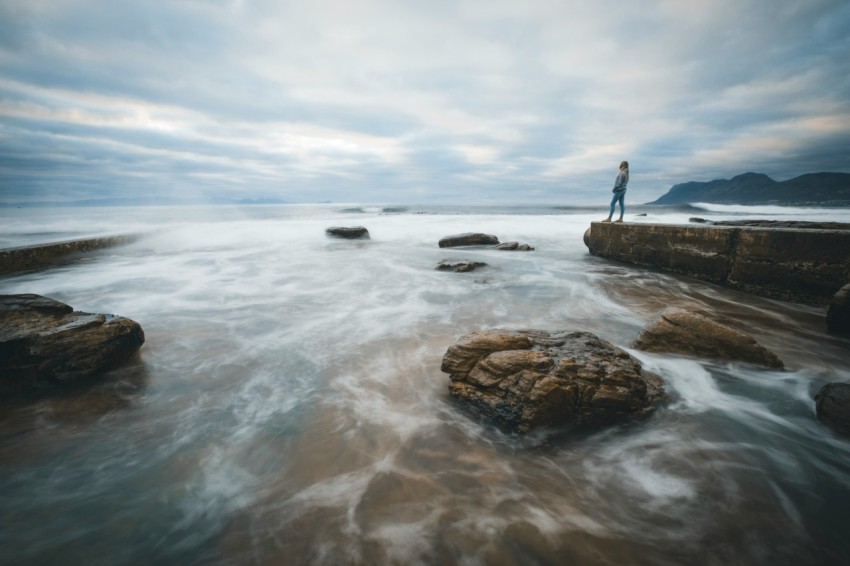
{"points": [[526, 379], [832, 404], [459, 266], [469, 239], [838, 312], [677, 331], [45, 343], [514, 246], [348, 232]]}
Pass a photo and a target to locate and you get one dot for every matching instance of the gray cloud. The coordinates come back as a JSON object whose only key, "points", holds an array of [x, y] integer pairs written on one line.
{"points": [[387, 101]]}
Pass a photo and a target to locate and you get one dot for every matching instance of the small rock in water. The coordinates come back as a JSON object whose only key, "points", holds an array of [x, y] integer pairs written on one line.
{"points": [[514, 246], [677, 331], [832, 404], [348, 232], [526, 379], [44, 343], [469, 239], [838, 312], [459, 266]]}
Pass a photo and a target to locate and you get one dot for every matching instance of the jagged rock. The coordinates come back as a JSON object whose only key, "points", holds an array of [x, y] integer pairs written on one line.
{"points": [[459, 266], [838, 312], [44, 343], [469, 239], [678, 331], [526, 379], [514, 246], [348, 232], [832, 405]]}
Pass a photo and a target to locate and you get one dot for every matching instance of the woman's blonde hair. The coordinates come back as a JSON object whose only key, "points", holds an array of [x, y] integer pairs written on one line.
{"points": [[624, 165]]}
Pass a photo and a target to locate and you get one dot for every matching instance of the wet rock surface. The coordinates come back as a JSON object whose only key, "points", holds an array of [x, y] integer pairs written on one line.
{"points": [[469, 239], [348, 232], [525, 379], [832, 404], [44, 343], [838, 312], [459, 266], [678, 331]]}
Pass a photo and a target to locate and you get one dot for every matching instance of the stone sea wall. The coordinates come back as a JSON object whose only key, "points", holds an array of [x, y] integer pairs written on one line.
{"points": [[29, 258], [800, 265]]}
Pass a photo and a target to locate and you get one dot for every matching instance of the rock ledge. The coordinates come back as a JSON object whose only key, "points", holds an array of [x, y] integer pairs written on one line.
{"points": [[678, 331]]}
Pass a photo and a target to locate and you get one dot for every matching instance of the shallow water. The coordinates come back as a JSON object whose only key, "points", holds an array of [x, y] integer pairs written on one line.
{"points": [[288, 407]]}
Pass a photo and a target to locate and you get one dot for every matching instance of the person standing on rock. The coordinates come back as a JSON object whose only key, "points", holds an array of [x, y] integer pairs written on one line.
{"points": [[619, 191]]}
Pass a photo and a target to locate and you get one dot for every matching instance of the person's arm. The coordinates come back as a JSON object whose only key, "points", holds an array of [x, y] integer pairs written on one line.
{"points": [[620, 182]]}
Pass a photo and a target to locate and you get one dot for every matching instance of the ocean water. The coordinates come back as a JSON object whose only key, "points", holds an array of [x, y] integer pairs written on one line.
{"points": [[288, 405]]}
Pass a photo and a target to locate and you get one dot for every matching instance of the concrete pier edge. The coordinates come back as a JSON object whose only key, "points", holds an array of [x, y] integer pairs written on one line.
{"points": [[40, 256], [791, 264]]}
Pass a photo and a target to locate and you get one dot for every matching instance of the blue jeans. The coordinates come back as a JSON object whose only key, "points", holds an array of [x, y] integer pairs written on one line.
{"points": [[618, 197]]}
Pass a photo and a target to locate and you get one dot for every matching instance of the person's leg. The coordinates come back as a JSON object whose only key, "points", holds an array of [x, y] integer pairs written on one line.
{"points": [[622, 201], [611, 211]]}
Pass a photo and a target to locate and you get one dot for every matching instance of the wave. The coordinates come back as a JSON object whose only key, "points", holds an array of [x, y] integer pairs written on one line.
{"points": [[798, 212], [375, 209], [694, 207]]}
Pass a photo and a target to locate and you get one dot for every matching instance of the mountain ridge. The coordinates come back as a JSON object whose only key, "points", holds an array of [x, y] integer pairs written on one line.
{"points": [[819, 189]]}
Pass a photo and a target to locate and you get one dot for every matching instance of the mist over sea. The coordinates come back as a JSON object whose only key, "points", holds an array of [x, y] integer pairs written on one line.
{"points": [[288, 405]]}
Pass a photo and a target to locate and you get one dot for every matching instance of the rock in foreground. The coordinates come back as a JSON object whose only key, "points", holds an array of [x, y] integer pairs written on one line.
{"points": [[677, 331], [348, 232], [469, 239], [832, 404], [44, 343], [527, 379]]}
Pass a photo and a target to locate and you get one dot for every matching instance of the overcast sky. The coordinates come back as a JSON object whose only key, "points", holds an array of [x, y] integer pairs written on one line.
{"points": [[415, 101]]}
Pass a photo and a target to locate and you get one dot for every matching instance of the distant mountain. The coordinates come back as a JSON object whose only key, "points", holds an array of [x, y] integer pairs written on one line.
{"points": [[819, 189]]}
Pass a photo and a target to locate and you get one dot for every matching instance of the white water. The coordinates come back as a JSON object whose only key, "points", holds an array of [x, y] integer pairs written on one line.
{"points": [[288, 406]]}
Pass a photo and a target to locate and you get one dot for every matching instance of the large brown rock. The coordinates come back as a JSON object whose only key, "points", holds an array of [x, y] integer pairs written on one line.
{"points": [[832, 404], [44, 343], [838, 312], [678, 331], [526, 379]]}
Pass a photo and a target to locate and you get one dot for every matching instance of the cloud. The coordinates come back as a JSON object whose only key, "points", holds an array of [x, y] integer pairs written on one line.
{"points": [[395, 102]]}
